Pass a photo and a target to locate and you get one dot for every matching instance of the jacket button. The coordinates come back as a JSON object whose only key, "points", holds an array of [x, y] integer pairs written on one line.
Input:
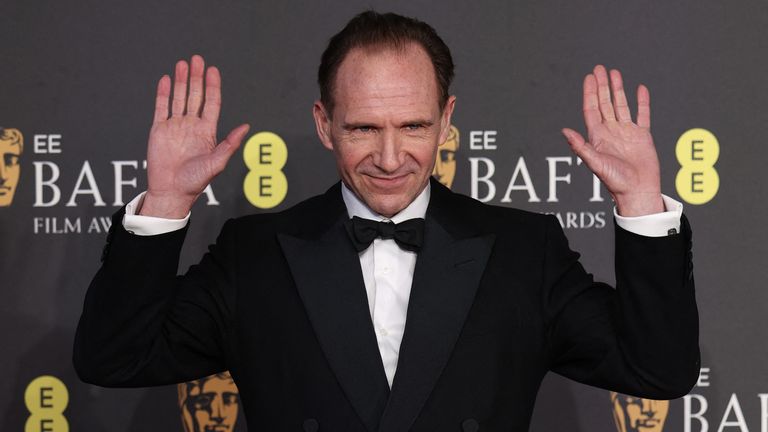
{"points": [[470, 425], [311, 425]]}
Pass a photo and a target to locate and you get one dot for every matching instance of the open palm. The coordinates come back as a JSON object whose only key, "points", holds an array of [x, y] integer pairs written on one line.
{"points": [[183, 155], [621, 153]]}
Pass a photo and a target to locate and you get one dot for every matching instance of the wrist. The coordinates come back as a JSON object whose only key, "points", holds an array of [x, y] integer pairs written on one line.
{"points": [[639, 204], [166, 206]]}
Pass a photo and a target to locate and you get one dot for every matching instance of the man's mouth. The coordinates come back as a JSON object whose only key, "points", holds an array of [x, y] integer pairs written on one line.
{"points": [[388, 181], [648, 423]]}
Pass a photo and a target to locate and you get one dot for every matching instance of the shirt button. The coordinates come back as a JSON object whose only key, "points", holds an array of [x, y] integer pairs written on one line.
{"points": [[385, 270], [383, 331]]}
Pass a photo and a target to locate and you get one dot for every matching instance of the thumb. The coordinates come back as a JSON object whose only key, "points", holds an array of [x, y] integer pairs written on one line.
{"points": [[579, 146], [221, 154]]}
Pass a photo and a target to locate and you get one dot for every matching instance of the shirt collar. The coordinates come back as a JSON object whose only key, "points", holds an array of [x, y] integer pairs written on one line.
{"points": [[356, 207]]}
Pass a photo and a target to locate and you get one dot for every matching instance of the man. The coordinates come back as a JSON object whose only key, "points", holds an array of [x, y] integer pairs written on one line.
{"points": [[209, 404], [445, 161], [633, 414], [11, 147], [312, 324]]}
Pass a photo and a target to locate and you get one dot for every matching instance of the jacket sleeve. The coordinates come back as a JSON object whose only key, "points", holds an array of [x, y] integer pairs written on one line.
{"points": [[142, 324], [640, 338]]}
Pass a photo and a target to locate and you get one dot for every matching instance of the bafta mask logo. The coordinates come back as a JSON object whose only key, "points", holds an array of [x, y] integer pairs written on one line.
{"points": [[210, 404], [633, 414], [11, 146], [445, 161]]}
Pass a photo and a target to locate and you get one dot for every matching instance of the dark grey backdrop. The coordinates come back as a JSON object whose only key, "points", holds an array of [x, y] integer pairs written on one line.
{"points": [[87, 70]]}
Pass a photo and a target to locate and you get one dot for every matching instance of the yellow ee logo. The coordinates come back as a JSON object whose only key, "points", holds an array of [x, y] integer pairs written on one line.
{"points": [[265, 155], [46, 398], [697, 151]]}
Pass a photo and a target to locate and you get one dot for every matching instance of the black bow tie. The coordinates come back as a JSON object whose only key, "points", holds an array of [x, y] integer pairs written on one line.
{"points": [[409, 235]]}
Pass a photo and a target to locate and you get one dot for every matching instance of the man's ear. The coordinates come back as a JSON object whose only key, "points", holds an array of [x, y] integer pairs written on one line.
{"points": [[445, 120], [322, 124]]}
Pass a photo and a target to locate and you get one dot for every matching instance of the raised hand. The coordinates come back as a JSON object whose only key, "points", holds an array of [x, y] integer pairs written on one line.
{"points": [[182, 154], [621, 153]]}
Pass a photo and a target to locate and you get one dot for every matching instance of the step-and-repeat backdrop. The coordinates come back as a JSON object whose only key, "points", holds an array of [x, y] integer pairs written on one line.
{"points": [[76, 102]]}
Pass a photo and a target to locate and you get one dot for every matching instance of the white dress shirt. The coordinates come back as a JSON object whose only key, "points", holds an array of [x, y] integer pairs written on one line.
{"points": [[388, 270], [388, 273]]}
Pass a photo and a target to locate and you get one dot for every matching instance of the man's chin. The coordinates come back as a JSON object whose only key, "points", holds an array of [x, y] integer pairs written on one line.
{"points": [[217, 428], [648, 425], [390, 201]]}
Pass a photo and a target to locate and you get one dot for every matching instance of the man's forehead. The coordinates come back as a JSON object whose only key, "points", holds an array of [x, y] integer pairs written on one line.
{"points": [[450, 145], [362, 63], [219, 384], [369, 79], [9, 146]]}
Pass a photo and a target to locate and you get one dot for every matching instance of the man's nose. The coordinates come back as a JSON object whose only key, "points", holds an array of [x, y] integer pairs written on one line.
{"points": [[217, 410], [438, 171], [648, 407], [388, 157]]}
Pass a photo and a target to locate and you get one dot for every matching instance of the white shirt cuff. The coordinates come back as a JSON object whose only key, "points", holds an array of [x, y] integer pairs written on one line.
{"points": [[149, 225], [654, 225]]}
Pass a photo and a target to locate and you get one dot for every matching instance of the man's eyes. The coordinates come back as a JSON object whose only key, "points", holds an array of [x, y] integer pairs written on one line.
{"points": [[632, 400], [10, 159], [411, 127], [202, 401], [230, 398]]}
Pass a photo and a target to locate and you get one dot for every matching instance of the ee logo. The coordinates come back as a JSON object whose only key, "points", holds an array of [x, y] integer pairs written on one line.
{"points": [[46, 398], [265, 155], [697, 180]]}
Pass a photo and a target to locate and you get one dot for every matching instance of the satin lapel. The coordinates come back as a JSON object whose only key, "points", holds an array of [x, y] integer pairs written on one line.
{"points": [[447, 274], [329, 280]]}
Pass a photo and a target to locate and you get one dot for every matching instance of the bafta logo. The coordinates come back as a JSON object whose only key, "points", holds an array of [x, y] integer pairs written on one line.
{"points": [[209, 404], [633, 414], [11, 146], [445, 161]]}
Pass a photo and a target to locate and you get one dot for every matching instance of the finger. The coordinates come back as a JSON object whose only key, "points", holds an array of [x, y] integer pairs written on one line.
{"points": [[643, 107], [592, 116], [212, 105], [583, 149], [604, 93], [179, 88], [161, 100], [228, 147], [619, 98], [197, 68]]}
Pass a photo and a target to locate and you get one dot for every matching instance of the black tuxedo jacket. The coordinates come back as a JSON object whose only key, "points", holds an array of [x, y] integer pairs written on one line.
{"points": [[498, 299]]}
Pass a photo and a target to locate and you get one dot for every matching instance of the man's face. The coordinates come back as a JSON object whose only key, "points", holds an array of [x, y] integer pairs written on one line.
{"points": [[10, 169], [213, 405], [445, 163], [639, 415], [386, 125]]}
